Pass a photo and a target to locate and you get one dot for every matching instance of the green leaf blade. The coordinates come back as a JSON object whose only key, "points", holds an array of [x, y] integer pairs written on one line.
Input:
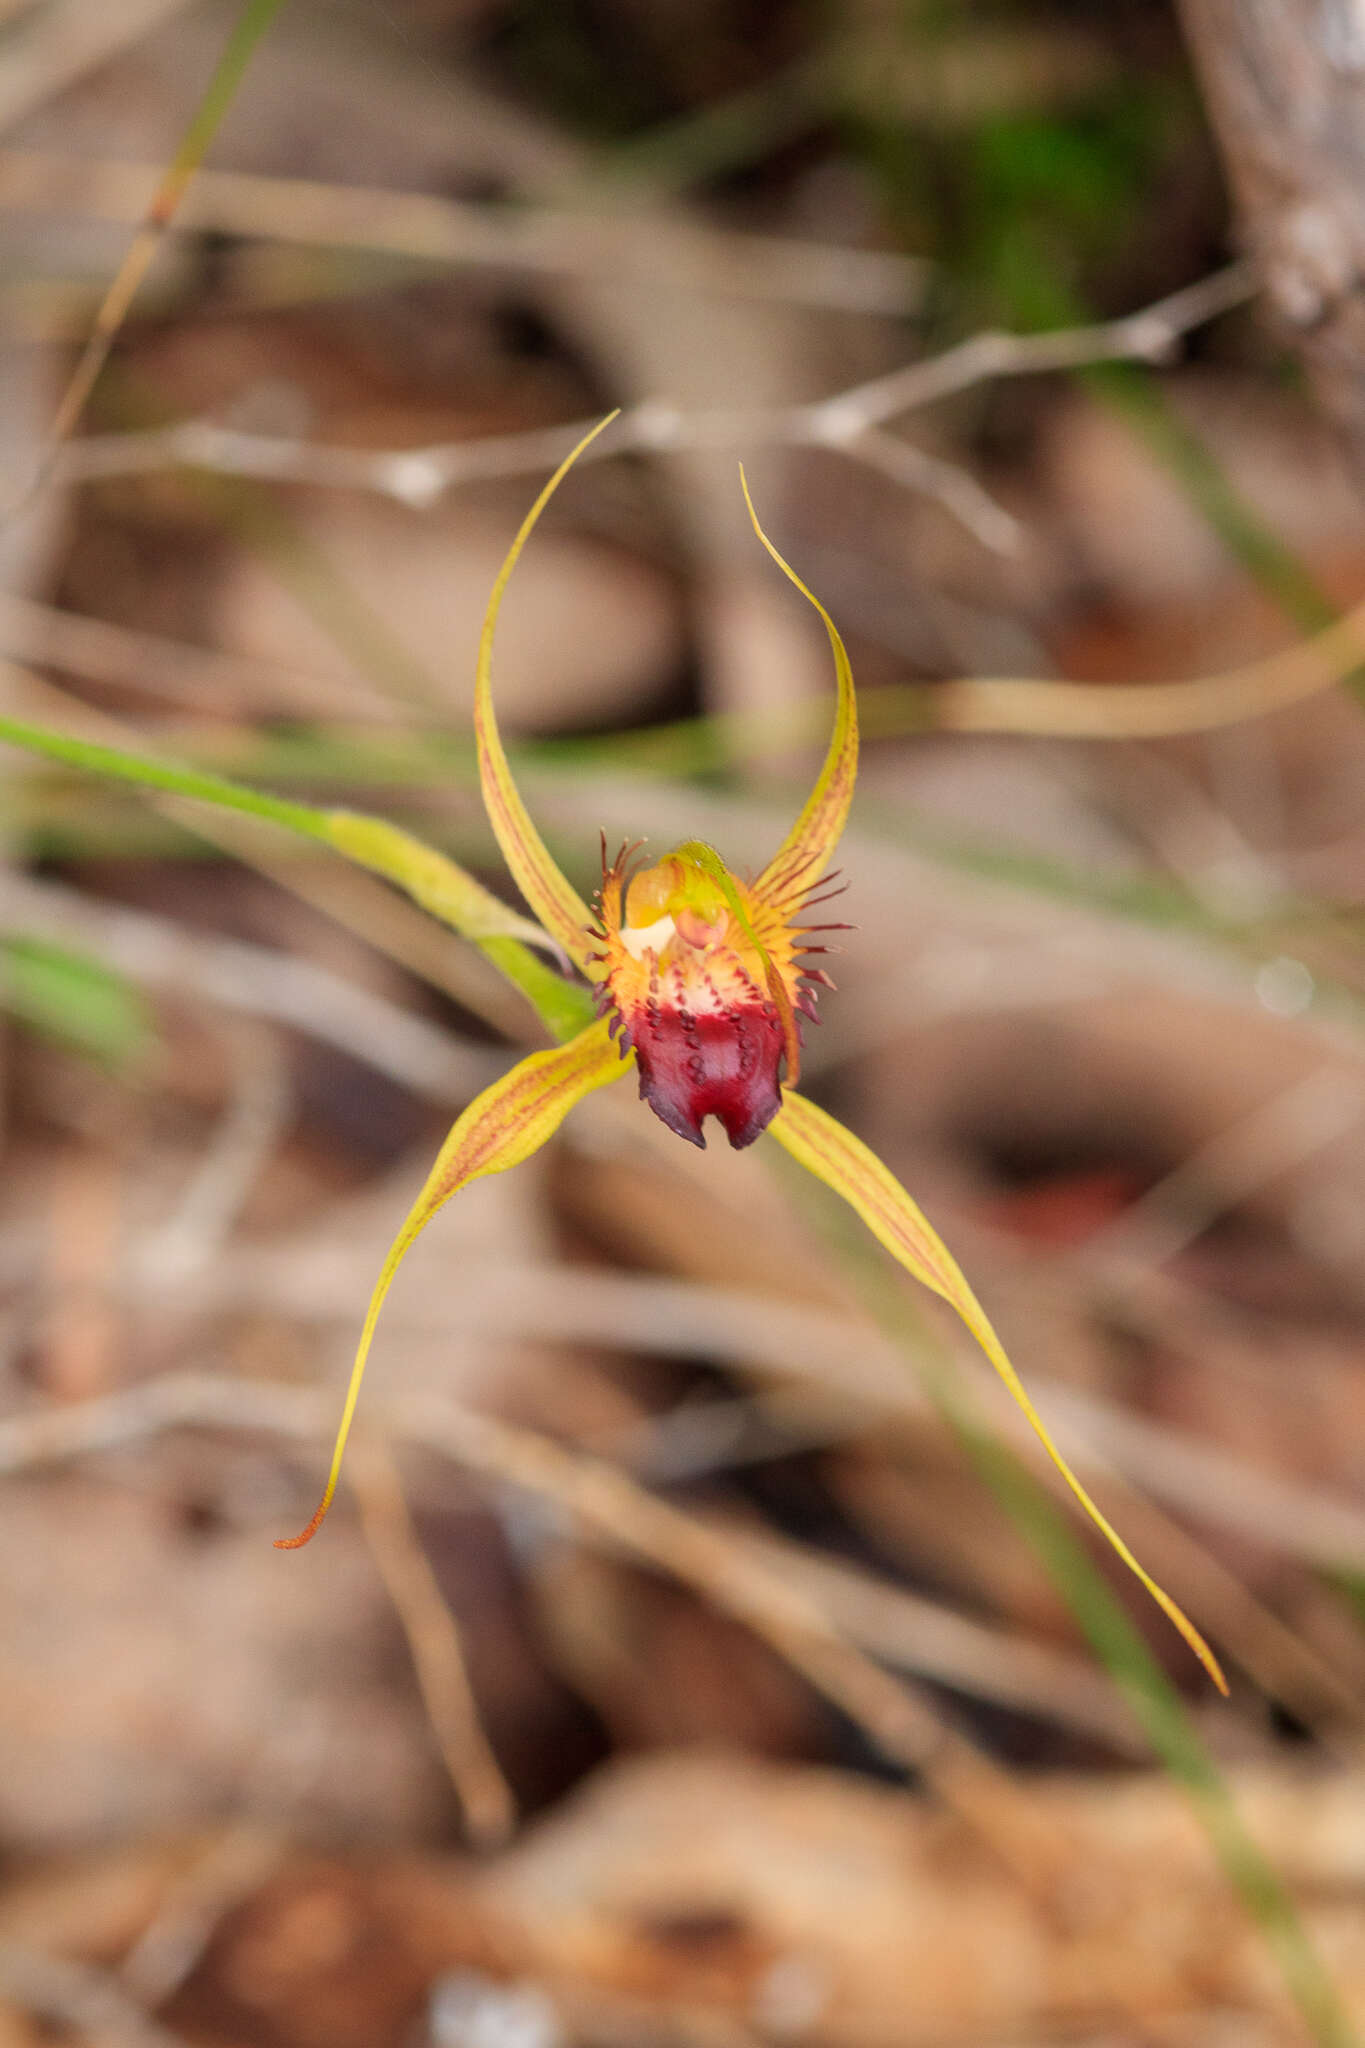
{"points": [[75, 1000]]}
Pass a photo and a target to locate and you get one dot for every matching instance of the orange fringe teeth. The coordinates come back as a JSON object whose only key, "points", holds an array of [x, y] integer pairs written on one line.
{"points": [[702, 982]]}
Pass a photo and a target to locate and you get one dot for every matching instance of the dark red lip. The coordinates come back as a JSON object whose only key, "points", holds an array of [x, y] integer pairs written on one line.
{"points": [[722, 1066]]}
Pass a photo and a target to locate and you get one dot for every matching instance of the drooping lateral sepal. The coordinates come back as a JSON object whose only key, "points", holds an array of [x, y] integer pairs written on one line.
{"points": [[845, 1164], [502, 1127]]}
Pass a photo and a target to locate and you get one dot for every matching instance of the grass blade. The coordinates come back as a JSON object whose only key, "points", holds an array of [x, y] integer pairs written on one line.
{"points": [[429, 877]]}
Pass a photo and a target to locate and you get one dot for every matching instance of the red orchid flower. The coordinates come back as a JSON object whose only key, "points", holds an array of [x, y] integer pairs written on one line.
{"points": [[699, 982]]}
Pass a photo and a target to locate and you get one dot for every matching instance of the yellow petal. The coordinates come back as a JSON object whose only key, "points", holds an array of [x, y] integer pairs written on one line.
{"points": [[806, 850], [500, 1128], [845, 1164], [550, 894]]}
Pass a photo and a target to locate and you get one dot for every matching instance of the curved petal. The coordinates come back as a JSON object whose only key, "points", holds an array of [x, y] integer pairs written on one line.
{"points": [[806, 850], [500, 1128], [550, 894], [845, 1164]]}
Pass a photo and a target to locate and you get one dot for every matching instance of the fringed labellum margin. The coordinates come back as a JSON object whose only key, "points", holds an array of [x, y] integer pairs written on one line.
{"points": [[702, 979]]}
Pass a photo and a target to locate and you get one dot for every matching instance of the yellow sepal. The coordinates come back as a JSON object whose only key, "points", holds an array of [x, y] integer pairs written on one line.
{"points": [[500, 1128], [852, 1170]]}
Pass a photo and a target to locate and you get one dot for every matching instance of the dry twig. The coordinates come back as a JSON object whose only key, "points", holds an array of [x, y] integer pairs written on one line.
{"points": [[256, 981], [1230, 1167], [800, 1342], [544, 241], [231, 1864], [852, 422], [203, 680], [154, 218], [66, 39], [78, 1996], [609, 1507], [910, 1633], [238, 1149], [433, 1634], [1102, 711]]}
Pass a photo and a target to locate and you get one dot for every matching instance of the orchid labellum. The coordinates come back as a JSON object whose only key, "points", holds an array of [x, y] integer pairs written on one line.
{"points": [[700, 985]]}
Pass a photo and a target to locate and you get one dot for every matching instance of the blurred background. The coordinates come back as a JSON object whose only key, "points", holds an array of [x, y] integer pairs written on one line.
{"points": [[689, 1683]]}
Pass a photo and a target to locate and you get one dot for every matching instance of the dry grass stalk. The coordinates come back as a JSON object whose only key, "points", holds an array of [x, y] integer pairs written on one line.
{"points": [[433, 1635], [610, 1507]]}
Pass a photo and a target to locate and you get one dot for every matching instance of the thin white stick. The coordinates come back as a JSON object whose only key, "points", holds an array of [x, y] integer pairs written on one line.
{"points": [[852, 422]]}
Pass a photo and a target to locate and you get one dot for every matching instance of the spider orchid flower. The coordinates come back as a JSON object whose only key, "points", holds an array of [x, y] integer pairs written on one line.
{"points": [[700, 982]]}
